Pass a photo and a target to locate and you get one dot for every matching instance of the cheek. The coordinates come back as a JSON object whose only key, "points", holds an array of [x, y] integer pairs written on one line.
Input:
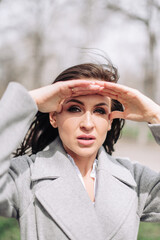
{"points": [[104, 127], [66, 125], [102, 123]]}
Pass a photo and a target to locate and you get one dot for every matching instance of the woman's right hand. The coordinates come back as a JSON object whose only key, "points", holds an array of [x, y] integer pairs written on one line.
{"points": [[50, 98]]}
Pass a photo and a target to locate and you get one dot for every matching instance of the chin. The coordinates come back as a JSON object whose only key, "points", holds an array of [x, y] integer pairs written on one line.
{"points": [[86, 153]]}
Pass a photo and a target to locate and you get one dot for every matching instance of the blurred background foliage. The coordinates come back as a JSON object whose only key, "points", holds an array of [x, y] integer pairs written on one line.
{"points": [[9, 230], [39, 39]]}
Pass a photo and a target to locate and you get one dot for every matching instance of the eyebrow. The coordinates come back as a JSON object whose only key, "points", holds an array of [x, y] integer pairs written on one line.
{"points": [[77, 101], [101, 104]]}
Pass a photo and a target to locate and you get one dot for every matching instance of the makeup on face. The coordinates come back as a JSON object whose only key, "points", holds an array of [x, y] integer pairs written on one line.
{"points": [[83, 124]]}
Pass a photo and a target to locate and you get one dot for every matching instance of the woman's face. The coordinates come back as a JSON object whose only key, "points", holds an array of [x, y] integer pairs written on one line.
{"points": [[83, 124]]}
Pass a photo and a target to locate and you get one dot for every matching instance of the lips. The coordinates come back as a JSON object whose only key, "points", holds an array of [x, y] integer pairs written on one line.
{"points": [[86, 137], [86, 140]]}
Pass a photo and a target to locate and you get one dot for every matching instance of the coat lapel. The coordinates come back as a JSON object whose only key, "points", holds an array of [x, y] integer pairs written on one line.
{"points": [[63, 196], [115, 193]]}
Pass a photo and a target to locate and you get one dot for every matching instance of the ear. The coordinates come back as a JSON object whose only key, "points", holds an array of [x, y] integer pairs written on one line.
{"points": [[53, 119]]}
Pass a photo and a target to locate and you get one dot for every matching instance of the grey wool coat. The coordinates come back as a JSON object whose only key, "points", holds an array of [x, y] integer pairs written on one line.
{"points": [[47, 197]]}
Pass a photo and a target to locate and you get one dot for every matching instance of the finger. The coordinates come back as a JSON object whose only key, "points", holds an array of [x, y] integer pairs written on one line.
{"points": [[120, 91], [118, 88], [71, 88], [85, 91], [89, 87], [108, 94], [111, 87], [116, 114], [79, 83], [122, 97]]}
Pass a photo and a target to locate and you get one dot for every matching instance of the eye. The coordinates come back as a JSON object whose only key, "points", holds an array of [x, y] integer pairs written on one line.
{"points": [[100, 110], [74, 109]]}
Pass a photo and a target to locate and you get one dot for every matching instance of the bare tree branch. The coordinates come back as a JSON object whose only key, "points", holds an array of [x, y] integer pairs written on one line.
{"points": [[126, 13], [155, 4]]}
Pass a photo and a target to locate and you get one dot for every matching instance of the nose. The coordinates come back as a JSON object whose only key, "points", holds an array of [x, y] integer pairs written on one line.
{"points": [[87, 122]]}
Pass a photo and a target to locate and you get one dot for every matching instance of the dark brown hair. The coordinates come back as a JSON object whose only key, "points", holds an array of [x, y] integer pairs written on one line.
{"points": [[41, 133]]}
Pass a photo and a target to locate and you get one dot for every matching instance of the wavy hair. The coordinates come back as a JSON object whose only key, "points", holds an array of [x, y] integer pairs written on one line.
{"points": [[41, 133]]}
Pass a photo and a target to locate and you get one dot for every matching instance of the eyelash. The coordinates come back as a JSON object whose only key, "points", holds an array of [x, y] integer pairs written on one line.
{"points": [[75, 109], [100, 110]]}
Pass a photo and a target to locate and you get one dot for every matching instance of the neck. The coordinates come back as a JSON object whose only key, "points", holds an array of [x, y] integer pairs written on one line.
{"points": [[84, 164]]}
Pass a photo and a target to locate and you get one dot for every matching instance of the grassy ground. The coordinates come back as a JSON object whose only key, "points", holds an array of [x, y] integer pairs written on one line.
{"points": [[9, 230], [149, 231]]}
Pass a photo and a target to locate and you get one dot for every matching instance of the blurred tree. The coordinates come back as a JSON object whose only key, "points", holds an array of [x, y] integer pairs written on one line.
{"points": [[39, 38], [146, 14], [30, 40]]}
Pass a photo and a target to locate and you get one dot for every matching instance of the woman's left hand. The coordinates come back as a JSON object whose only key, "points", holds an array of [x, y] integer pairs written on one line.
{"points": [[137, 107]]}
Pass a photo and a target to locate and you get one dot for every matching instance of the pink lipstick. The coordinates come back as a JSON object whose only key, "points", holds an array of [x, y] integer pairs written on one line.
{"points": [[86, 140]]}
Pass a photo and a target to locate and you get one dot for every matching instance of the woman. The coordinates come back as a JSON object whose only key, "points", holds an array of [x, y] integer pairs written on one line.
{"points": [[70, 187]]}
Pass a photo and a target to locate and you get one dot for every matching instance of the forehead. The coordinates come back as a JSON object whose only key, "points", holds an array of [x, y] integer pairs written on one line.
{"points": [[92, 99]]}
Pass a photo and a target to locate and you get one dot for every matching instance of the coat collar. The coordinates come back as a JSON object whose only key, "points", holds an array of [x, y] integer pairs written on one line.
{"points": [[46, 165], [67, 202], [64, 198], [112, 166], [51, 163], [115, 193]]}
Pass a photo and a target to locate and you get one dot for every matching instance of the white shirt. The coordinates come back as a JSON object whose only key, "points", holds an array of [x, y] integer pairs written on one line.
{"points": [[92, 174]]}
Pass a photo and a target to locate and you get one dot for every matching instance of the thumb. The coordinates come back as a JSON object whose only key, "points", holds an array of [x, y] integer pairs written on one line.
{"points": [[116, 114]]}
